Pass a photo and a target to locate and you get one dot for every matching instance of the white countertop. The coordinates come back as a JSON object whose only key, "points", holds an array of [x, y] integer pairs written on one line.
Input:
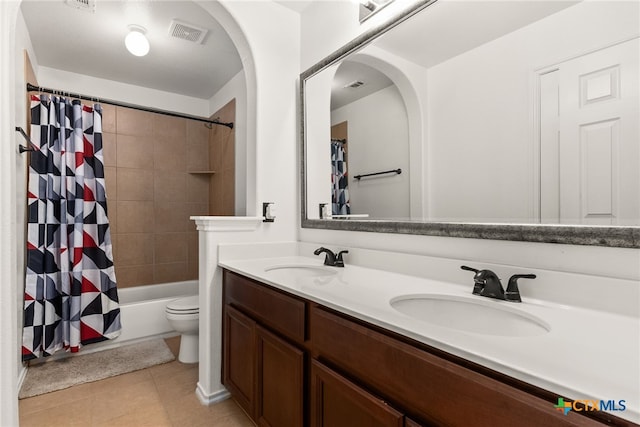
{"points": [[587, 354]]}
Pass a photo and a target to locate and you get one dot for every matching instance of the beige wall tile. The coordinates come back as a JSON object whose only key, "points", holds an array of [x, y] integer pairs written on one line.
{"points": [[198, 156], [170, 247], [108, 118], [173, 128], [197, 133], [170, 186], [228, 192], [192, 209], [134, 122], [111, 183], [109, 150], [197, 190], [170, 217], [192, 255], [167, 155], [135, 275], [173, 272], [135, 184], [135, 152], [134, 249], [135, 217]]}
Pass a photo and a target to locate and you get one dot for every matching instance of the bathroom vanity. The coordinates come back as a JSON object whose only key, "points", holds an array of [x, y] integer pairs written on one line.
{"points": [[296, 355]]}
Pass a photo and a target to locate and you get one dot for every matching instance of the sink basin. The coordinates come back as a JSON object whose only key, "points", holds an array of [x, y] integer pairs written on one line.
{"points": [[478, 315], [299, 271]]}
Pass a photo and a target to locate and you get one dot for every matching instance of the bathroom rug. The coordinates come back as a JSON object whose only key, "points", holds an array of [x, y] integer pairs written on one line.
{"points": [[61, 373]]}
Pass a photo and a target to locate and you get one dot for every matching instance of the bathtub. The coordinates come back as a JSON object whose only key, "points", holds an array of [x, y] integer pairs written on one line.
{"points": [[141, 314], [142, 309]]}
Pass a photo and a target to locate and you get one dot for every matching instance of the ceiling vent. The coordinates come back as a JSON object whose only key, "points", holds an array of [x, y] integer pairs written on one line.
{"points": [[354, 85], [188, 32], [88, 5]]}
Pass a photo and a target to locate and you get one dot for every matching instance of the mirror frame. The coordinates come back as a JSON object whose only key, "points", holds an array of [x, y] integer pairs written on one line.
{"points": [[611, 236]]}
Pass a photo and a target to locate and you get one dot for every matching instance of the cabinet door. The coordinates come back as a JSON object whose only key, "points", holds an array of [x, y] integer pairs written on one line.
{"points": [[336, 402], [279, 401], [240, 358]]}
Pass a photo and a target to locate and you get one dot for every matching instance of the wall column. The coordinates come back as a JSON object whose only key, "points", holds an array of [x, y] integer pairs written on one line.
{"points": [[213, 230]]}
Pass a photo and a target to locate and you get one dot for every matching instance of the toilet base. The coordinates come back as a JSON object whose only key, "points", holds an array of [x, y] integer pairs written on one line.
{"points": [[188, 348]]}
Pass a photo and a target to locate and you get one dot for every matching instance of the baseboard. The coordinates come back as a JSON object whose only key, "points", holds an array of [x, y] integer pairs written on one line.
{"points": [[210, 399], [22, 374]]}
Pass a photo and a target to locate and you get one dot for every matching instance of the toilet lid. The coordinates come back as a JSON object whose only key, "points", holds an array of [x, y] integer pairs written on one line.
{"points": [[187, 304]]}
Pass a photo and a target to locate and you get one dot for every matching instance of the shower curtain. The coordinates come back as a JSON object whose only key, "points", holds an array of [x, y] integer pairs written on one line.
{"points": [[70, 285], [339, 182]]}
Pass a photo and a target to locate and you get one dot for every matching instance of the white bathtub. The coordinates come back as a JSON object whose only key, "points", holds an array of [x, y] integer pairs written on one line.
{"points": [[142, 309]]}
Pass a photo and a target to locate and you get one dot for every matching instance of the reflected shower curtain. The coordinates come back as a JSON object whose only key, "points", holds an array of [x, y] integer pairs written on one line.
{"points": [[339, 182], [70, 290]]}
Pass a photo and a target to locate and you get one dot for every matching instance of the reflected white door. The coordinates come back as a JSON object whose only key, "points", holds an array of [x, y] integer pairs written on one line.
{"points": [[590, 139]]}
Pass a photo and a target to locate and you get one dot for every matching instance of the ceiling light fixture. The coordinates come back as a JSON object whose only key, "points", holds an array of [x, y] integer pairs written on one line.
{"points": [[370, 7], [136, 41]]}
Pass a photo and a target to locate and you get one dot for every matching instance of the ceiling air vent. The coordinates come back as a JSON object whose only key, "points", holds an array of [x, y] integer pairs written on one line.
{"points": [[88, 5], [188, 32], [355, 84]]}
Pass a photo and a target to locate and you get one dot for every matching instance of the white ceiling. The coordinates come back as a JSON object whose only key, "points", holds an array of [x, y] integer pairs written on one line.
{"points": [[92, 44], [350, 71], [295, 5], [448, 28], [443, 30]]}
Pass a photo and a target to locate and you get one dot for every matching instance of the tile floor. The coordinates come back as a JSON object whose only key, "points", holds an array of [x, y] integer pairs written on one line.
{"points": [[158, 396]]}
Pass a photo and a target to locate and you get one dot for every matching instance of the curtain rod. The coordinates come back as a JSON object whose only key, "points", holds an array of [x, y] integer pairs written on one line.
{"points": [[32, 88]]}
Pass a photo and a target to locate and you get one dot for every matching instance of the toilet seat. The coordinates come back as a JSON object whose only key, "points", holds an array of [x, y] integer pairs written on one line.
{"points": [[187, 305]]}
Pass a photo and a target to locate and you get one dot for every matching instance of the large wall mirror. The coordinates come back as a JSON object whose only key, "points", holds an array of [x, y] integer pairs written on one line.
{"points": [[516, 120]]}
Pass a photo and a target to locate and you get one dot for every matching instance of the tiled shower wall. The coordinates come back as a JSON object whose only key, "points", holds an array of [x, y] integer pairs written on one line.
{"points": [[151, 194]]}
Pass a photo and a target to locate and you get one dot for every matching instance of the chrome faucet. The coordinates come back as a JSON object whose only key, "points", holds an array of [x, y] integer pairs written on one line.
{"points": [[331, 259], [487, 284]]}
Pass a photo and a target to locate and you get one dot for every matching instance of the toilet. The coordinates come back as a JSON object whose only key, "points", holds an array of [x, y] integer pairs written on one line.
{"points": [[183, 315]]}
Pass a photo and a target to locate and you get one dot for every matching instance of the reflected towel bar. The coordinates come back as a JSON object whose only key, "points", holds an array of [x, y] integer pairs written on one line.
{"points": [[396, 171], [21, 147]]}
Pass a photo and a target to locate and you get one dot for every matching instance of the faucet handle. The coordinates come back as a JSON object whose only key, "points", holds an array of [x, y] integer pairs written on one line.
{"points": [[478, 281], [339, 260], [513, 293]]}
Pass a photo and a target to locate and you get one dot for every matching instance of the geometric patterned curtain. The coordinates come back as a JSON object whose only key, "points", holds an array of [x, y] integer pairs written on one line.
{"points": [[339, 181], [70, 285]]}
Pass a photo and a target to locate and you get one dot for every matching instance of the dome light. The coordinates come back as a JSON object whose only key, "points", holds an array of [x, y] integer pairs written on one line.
{"points": [[136, 41]]}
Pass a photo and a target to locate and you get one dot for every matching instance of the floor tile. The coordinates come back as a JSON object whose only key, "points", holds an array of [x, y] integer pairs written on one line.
{"points": [[159, 396]]}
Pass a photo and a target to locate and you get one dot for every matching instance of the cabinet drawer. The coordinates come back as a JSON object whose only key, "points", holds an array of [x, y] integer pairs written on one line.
{"points": [[281, 312], [436, 390], [336, 402]]}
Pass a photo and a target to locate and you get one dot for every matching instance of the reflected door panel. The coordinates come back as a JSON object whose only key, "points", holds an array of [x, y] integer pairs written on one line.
{"points": [[594, 179]]}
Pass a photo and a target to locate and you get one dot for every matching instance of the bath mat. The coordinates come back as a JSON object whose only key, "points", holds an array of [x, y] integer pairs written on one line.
{"points": [[69, 371]]}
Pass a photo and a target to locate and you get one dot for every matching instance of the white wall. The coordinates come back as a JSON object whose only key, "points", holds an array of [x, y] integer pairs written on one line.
{"points": [[11, 39], [23, 42], [267, 37], [481, 106], [378, 140], [122, 92], [319, 41]]}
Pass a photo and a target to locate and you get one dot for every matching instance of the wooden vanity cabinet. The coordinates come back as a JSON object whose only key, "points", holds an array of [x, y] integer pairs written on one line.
{"points": [[263, 355], [239, 358], [290, 362], [423, 384], [337, 402]]}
